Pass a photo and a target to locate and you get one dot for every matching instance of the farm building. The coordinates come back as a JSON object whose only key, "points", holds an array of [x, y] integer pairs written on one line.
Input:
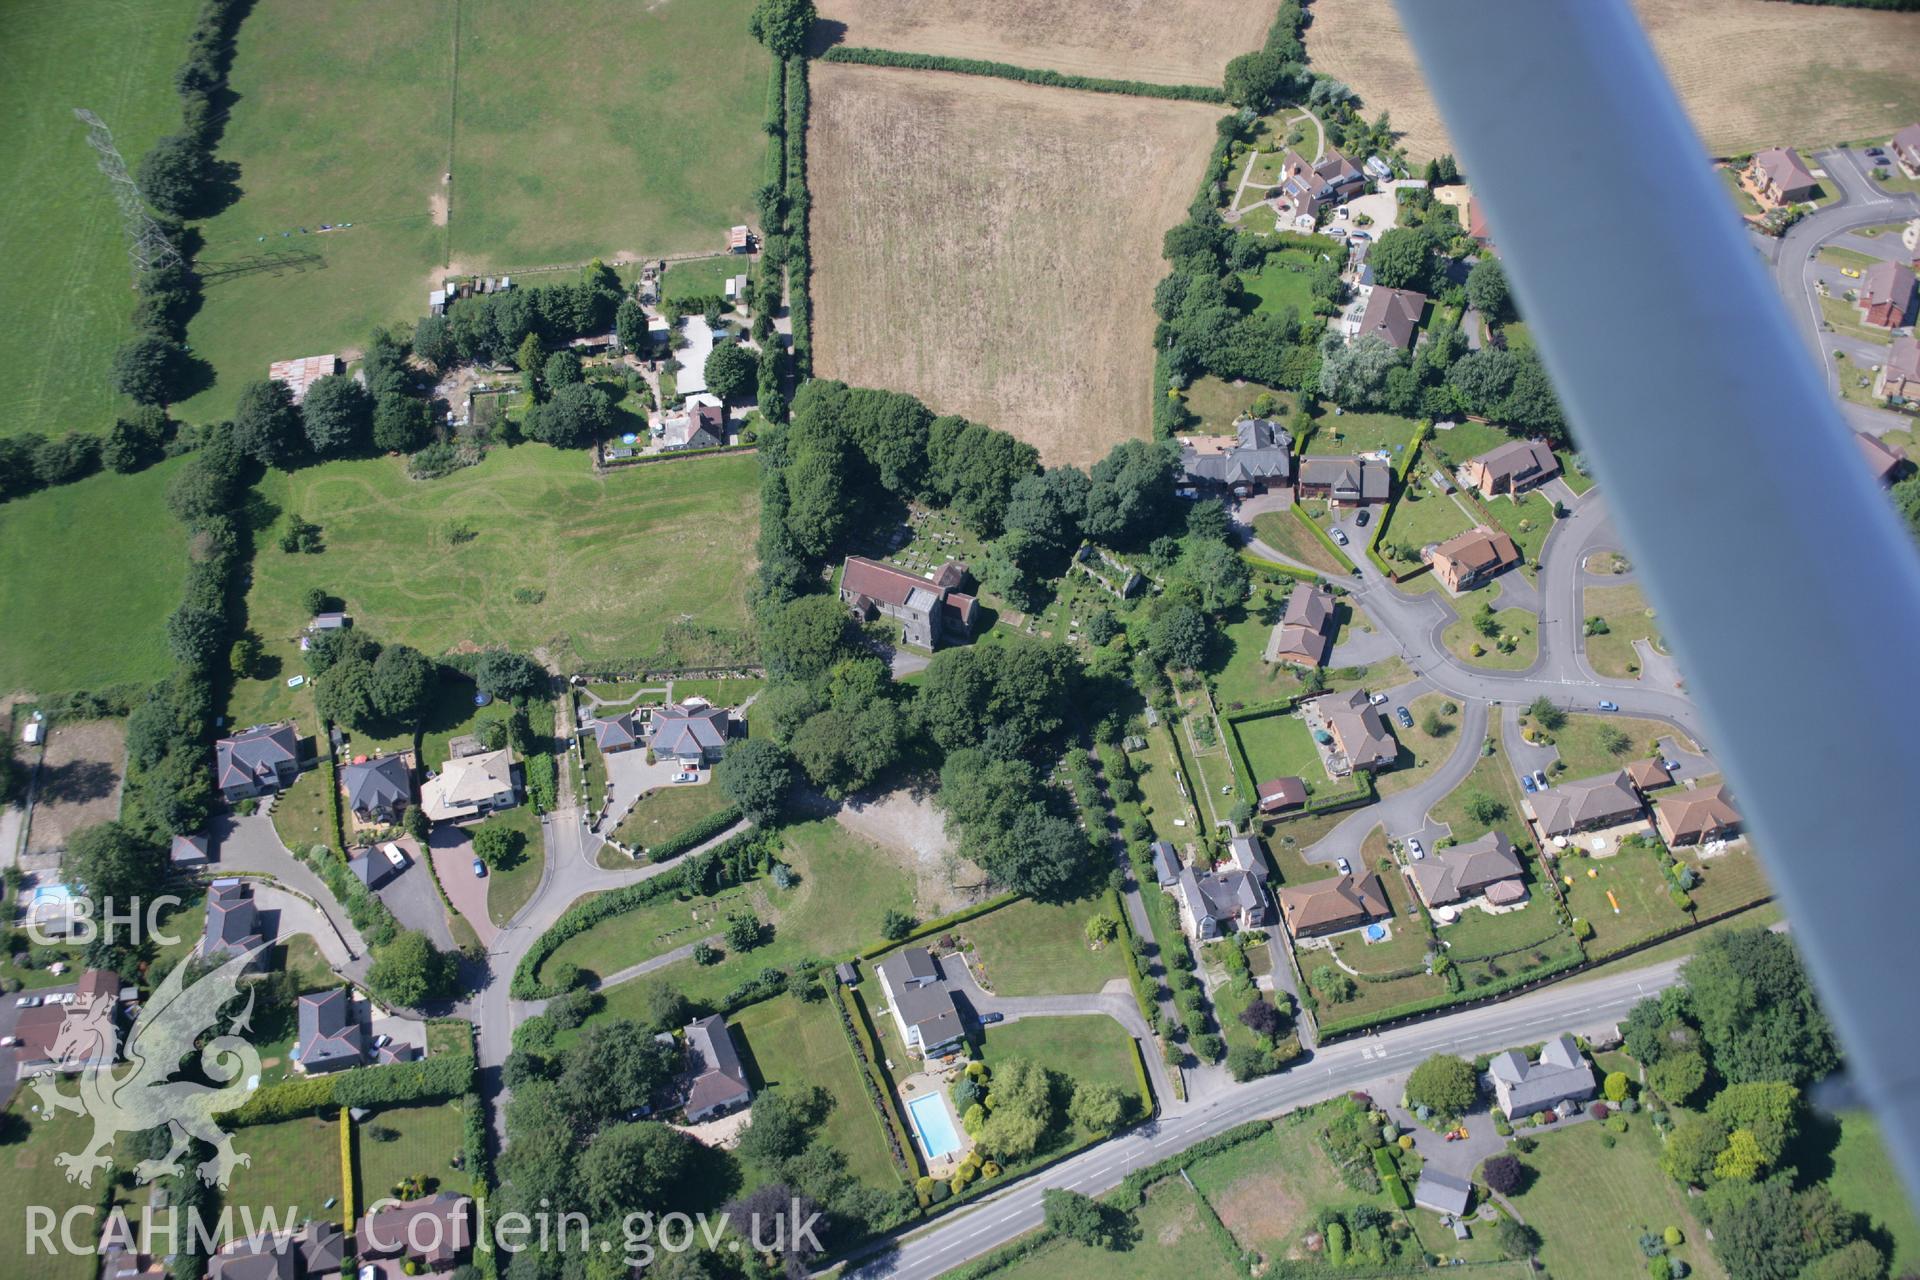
{"points": [[302, 373]]}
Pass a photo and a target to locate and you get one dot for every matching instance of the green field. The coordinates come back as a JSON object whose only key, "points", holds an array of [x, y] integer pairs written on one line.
{"points": [[295, 1170], [1424, 515], [581, 568], [1865, 1181], [428, 1139], [1582, 742], [1285, 534], [1029, 948], [1087, 1050], [63, 259], [1591, 1203], [583, 131], [32, 1178], [1171, 1224], [1280, 746], [88, 574], [801, 1045], [1267, 1190], [656, 928]]}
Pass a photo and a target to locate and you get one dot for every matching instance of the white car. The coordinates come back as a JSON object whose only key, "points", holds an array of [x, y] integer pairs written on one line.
{"points": [[1415, 848], [1377, 699], [686, 775], [395, 854], [1346, 868], [27, 1002]]}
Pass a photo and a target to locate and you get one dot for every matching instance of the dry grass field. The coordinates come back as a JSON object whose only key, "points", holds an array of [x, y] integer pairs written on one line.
{"points": [[1119, 39], [991, 247], [1753, 73]]}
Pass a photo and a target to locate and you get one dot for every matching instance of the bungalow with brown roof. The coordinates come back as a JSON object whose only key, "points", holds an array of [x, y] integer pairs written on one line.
{"points": [[1696, 816], [1329, 906], [1468, 560], [1512, 469], [1486, 866], [1586, 805], [433, 1231], [1906, 150], [1783, 178], [933, 610], [1393, 315], [1357, 730], [1886, 295], [1899, 378], [40, 1034], [716, 1082], [1883, 459], [1343, 482], [1306, 627], [1477, 228], [1277, 795]]}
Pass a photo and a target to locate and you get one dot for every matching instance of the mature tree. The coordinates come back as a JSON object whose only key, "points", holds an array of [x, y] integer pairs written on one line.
{"points": [[267, 424], [1692, 1147], [1678, 1077], [1130, 493], [344, 693], [197, 637], [1444, 1084], [756, 774], [1336, 985], [1503, 1173], [782, 25], [1180, 637], [804, 638], [1049, 508], [613, 1068], [148, 368], [498, 845], [897, 924], [401, 423], [179, 177], [1757, 1011], [433, 341], [630, 326], [784, 1118], [577, 415], [410, 970], [1401, 259], [818, 505], [744, 931], [1219, 573], [337, 413], [562, 368], [844, 749], [1546, 715], [973, 469], [403, 684], [1080, 1218], [1768, 1110], [1531, 403], [115, 867], [1857, 1260], [502, 673], [1264, 1018], [136, 440], [1515, 1238], [1487, 289], [1481, 379], [637, 1168], [1355, 374], [730, 371], [1757, 1230], [1097, 1108], [1023, 1111], [1261, 79]]}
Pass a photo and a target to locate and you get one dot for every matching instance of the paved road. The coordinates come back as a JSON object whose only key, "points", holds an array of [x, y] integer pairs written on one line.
{"points": [[1355, 1064], [1405, 813], [1861, 204]]}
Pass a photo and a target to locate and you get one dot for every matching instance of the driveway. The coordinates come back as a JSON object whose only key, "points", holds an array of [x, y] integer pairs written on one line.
{"points": [[629, 777], [290, 914], [1405, 814], [453, 862], [251, 844], [415, 903]]}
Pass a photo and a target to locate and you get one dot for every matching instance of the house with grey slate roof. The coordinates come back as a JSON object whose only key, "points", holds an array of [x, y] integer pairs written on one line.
{"points": [[380, 789], [233, 924], [1442, 1192], [716, 1083], [1261, 455], [330, 1037], [1561, 1075], [922, 1003], [260, 761], [691, 733], [616, 733]]}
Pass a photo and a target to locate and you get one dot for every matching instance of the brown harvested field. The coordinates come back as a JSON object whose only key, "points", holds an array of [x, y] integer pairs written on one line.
{"points": [[1753, 73], [992, 247], [1117, 39], [79, 782]]}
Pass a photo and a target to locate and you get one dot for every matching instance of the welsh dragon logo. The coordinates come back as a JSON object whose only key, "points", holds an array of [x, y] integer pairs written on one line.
{"points": [[142, 1094]]}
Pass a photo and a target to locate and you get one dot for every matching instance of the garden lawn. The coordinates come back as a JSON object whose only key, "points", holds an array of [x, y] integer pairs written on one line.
{"points": [[657, 927], [1463, 637], [1219, 404], [509, 888], [1844, 316], [1477, 933], [1527, 521], [1628, 618], [669, 810], [1865, 1181], [1449, 448], [721, 693], [702, 277], [1086, 1050], [1029, 948], [1728, 880], [1406, 944], [303, 813], [1279, 746], [1286, 839], [1421, 752], [429, 1139], [1582, 742], [844, 887], [802, 1045], [588, 569], [63, 259], [1171, 1224], [1346, 433], [295, 1170], [1746, 204], [70, 630], [1491, 777], [1283, 532], [1634, 878], [1267, 1190], [1424, 515], [1280, 285], [1590, 1203], [1163, 800], [33, 1179]]}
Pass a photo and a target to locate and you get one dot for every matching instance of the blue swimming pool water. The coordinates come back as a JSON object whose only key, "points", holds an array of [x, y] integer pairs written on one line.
{"points": [[1375, 933], [935, 1124]]}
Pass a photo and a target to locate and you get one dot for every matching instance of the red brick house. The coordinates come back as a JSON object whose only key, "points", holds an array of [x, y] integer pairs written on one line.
{"points": [[1886, 295]]}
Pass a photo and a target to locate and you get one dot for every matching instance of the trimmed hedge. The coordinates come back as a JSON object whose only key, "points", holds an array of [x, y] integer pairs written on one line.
{"points": [[1499, 987], [1261, 567], [1396, 1189], [941, 925], [1326, 540], [397, 1084], [583, 916], [697, 834], [348, 1192], [479, 1162], [1026, 75]]}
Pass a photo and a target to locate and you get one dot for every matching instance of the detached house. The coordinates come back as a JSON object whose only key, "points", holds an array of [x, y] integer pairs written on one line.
{"points": [[1886, 295], [1586, 805], [1512, 469], [1906, 149], [1305, 189], [716, 1082], [470, 787], [1783, 178], [1306, 627], [1884, 459], [934, 610], [1561, 1075], [1468, 560], [923, 1009], [260, 761], [380, 789], [1486, 867], [1343, 482], [1392, 315], [317, 1251], [1260, 455], [1697, 816], [1900, 376], [1226, 898], [1357, 730], [233, 925], [692, 733], [330, 1036], [433, 1233], [700, 426], [616, 733], [1332, 906]]}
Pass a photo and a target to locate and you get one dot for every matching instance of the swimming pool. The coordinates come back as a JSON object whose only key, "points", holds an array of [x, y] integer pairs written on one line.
{"points": [[934, 1123], [1376, 932]]}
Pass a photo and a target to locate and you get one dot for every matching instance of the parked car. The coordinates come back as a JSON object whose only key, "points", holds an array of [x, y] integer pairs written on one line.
{"points": [[686, 775], [1340, 536], [1850, 273], [1361, 517], [27, 1002], [382, 1040], [1526, 782], [1540, 779], [990, 1018], [395, 854], [1415, 848], [1404, 716], [1376, 698], [1346, 868], [1671, 766], [1609, 706], [479, 869]]}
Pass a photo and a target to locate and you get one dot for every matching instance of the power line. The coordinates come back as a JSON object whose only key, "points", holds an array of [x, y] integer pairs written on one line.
{"points": [[148, 245]]}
